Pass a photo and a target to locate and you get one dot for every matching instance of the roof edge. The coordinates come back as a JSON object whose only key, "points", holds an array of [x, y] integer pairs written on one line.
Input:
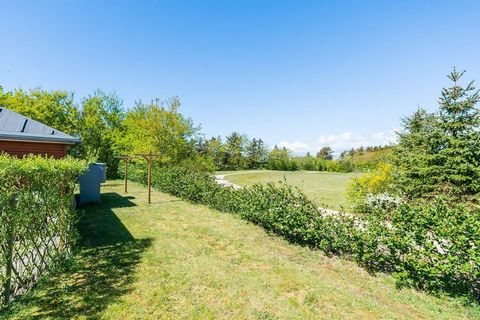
{"points": [[38, 138]]}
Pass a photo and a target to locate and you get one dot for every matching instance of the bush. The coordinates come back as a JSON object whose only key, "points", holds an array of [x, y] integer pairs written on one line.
{"points": [[434, 246], [198, 163], [311, 164], [36, 218], [369, 158], [429, 246], [363, 190]]}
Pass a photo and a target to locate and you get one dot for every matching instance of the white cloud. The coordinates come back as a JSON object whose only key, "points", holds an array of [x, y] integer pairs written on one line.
{"points": [[348, 140], [340, 142], [297, 146]]}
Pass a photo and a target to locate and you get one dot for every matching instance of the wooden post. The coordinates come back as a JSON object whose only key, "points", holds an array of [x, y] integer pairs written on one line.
{"points": [[127, 160], [8, 274], [149, 177], [149, 157]]}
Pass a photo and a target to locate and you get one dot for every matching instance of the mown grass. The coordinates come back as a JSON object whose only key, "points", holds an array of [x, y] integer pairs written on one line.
{"points": [[328, 189], [175, 260]]}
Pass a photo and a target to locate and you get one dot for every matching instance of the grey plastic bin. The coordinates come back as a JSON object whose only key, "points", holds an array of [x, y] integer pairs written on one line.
{"points": [[90, 183], [103, 166]]}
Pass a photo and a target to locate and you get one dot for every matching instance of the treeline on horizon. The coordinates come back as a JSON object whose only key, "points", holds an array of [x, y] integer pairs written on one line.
{"points": [[108, 129]]}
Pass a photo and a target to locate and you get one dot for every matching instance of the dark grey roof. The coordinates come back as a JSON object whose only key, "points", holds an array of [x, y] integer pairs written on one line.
{"points": [[14, 126]]}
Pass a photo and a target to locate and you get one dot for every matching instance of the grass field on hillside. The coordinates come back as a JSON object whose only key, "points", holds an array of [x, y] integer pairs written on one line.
{"points": [[175, 260], [328, 189]]}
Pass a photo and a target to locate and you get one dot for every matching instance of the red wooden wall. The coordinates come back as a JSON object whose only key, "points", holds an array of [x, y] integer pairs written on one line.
{"points": [[20, 148]]}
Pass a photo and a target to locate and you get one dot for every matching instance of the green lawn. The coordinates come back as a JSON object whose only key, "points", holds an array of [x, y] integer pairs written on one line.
{"points": [[328, 189], [175, 260]]}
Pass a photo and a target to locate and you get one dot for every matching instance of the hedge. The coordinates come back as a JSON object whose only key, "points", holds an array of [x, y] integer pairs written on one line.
{"points": [[36, 218], [431, 246]]}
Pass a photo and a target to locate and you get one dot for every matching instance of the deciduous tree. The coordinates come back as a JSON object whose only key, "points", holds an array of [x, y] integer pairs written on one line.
{"points": [[160, 128], [53, 108], [101, 128]]}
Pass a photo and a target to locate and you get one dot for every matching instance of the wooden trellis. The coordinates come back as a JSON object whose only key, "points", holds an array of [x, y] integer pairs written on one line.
{"points": [[149, 157], [30, 249]]}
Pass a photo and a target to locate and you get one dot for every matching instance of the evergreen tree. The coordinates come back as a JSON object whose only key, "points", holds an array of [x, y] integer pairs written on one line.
{"points": [[325, 153], [440, 152], [256, 153], [234, 148], [459, 147]]}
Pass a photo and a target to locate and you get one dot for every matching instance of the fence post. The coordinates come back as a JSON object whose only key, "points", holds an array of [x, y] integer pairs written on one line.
{"points": [[9, 257]]}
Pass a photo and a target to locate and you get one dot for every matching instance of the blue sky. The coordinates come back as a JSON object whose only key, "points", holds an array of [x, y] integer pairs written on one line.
{"points": [[297, 73]]}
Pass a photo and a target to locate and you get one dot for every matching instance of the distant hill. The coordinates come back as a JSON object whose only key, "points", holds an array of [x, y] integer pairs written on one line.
{"points": [[365, 158]]}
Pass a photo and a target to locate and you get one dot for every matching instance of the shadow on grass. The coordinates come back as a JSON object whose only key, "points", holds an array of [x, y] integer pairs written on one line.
{"points": [[101, 271]]}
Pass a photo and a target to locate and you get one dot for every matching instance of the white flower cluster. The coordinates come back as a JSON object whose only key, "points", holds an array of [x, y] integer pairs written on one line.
{"points": [[382, 201]]}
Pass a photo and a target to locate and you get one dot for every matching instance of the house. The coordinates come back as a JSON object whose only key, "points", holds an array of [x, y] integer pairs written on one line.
{"points": [[20, 136]]}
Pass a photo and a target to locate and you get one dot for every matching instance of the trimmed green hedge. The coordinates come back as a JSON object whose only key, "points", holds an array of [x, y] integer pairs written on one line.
{"points": [[36, 218], [432, 246]]}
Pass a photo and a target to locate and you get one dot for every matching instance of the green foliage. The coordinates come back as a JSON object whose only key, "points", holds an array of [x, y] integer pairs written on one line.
{"points": [[430, 246], [213, 149], [158, 127], [372, 182], [326, 189], [177, 247], [198, 163], [54, 108], [107, 131], [439, 153], [279, 159], [36, 215], [234, 151], [256, 154], [101, 129], [98, 122], [367, 158], [325, 153], [339, 166], [434, 246]]}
